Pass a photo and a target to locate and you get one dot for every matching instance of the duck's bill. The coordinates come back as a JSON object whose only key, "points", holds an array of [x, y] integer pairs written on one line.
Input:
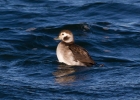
{"points": [[57, 38]]}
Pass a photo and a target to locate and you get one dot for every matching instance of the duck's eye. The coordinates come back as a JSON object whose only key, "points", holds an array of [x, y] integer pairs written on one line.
{"points": [[62, 34]]}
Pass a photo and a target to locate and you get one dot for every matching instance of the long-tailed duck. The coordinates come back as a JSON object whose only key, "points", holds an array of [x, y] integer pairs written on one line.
{"points": [[70, 53]]}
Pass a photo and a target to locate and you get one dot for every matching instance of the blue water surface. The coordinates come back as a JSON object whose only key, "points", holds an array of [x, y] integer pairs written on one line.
{"points": [[108, 29]]}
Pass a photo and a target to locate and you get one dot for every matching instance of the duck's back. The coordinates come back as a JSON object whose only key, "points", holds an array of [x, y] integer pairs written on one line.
{"points": [[80, 54]]}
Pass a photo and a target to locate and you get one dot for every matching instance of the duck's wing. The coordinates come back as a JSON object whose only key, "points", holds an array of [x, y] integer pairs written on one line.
{"points": [[81, 54]]}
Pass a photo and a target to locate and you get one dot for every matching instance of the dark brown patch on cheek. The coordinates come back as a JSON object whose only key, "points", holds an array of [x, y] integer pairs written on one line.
{"points": [[66, 38]]}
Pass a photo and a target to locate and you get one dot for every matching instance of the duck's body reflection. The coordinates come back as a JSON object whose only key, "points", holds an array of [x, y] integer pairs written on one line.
{"points": [[68, 74]]}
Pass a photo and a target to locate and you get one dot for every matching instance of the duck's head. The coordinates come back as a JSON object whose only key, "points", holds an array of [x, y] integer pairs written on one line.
{"points": [[65, 36]]}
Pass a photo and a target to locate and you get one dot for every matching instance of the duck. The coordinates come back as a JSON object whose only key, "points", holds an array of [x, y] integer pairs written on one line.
{"points": [[70, 53]]}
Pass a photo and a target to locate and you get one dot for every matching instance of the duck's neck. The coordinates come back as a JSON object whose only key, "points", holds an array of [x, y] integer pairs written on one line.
{"points": [[67, 43]]}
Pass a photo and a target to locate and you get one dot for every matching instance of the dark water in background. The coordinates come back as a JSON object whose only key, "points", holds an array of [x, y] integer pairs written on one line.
{"points": [[108, 29]]}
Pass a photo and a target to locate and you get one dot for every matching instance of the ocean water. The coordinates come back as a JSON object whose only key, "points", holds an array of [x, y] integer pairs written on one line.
{"points": [[108, 29]]}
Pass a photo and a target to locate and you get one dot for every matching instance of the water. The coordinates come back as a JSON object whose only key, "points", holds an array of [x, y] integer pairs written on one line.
{"points": [[109, 30]]}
